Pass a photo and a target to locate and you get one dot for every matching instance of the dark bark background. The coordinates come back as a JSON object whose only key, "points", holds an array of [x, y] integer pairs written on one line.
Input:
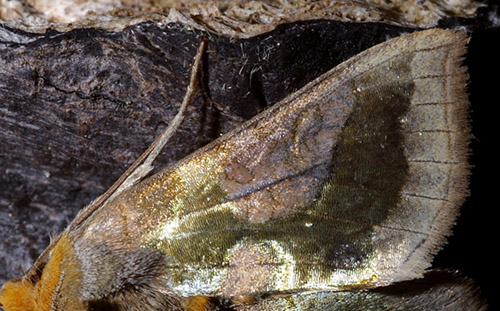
{"points": [[77, 108]]}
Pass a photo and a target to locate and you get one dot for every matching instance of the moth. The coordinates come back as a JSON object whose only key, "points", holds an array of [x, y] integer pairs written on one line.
{"points": [[343, 188]]}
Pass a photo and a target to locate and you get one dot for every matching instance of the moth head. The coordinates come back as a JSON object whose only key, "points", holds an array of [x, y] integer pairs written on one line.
{"points": [[46, 290], [17, 294]]}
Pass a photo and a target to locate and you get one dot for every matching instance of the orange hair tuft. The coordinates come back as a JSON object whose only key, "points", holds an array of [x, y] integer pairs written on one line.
{"points": [[17, 295]]}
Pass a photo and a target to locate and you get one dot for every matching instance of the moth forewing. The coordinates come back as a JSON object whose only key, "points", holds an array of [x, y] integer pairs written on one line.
{"points": [[351, 182]]}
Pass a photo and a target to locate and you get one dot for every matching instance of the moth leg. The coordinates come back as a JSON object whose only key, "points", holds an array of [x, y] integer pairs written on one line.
{"points": [[199, 303], [244, 300], [206, 303]]}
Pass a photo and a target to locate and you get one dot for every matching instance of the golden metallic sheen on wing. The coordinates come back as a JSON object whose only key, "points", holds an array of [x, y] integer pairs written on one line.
{"points": [[309, 193], [351, 182]]}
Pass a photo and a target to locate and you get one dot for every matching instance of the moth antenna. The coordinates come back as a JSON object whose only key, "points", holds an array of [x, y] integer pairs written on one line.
{"points": [[140, 168], [143, 165]]}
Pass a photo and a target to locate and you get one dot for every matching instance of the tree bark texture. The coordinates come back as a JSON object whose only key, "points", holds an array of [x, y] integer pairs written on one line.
{"points": [[78, 107]]}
